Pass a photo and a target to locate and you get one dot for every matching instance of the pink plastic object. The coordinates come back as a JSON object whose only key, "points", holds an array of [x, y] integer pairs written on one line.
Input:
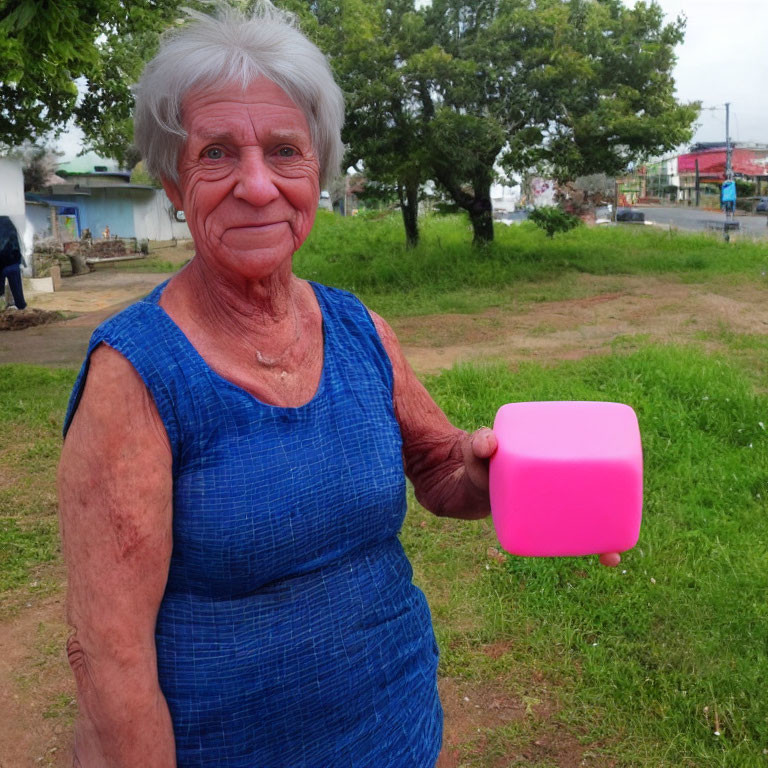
{"points": [[567, 478]]}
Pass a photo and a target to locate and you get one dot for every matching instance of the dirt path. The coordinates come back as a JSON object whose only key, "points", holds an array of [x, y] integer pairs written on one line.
{"points": [[561, 330], [36, 689], [616, 308], [92, 298]]}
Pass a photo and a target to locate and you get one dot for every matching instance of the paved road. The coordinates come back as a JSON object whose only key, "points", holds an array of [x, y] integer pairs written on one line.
{"points": [[690, 219], [698, 220]]}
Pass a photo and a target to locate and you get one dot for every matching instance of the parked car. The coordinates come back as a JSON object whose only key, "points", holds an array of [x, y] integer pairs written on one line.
{"points": [[627, 215], [762, 205]]}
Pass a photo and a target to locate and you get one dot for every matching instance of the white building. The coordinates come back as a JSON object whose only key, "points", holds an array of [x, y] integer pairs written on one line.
{"points": [[12, 205]]}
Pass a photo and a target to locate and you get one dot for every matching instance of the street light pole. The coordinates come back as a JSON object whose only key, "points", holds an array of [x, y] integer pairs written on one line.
{"points": [[730, 207], [728, 164]]}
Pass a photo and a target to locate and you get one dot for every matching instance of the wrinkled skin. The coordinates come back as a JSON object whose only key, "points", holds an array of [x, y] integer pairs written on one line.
{"points": [[248, 183]]}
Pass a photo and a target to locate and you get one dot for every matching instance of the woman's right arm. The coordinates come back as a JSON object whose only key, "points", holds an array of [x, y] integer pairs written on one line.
{"points": [[115, 506]]}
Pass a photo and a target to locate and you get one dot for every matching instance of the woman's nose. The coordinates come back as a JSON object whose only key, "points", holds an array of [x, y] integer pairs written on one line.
{"points": [[255, 183]]}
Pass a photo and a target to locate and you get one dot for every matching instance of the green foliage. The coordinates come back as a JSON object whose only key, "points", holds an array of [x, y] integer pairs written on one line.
{"points": [[553, 219], [140, 176], [745, 188], [368, 43], [446, 90], [606, 71], [655, 656], [45, 47]]}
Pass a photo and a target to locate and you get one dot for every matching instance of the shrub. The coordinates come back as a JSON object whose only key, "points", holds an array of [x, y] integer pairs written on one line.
{"points": [[553, 220]]}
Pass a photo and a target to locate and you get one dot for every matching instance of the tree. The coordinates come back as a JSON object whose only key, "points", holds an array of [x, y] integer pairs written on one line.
{"points": [[38, 166], [571, 87], [553, 220], [369, 43], [454, 89], [45, 47]]}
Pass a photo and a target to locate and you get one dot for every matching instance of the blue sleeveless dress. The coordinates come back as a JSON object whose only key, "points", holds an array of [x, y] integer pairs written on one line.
{"points": [[290, 633]]}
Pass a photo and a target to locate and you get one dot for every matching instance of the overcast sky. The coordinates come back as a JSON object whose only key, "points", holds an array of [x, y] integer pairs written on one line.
{"points": [[724, 58]]}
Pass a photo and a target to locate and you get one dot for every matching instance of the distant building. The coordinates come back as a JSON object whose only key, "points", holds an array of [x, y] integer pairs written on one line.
{"points": [[700, 171], [505, 197], [12, 204], [98, 196], [706, 163]]}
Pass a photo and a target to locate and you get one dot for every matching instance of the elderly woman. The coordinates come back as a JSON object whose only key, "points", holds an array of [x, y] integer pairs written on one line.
{"points": [[232, 481]]}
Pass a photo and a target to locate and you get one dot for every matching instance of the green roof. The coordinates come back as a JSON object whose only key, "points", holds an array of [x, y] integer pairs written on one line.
{"points": [[88, 163]]}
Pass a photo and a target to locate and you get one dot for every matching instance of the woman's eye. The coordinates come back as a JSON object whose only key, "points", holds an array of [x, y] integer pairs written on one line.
{"points": [[286, 152], [214, 153]]}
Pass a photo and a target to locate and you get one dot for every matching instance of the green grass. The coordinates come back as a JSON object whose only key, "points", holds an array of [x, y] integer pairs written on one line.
{"points": [[641, 662], [149, 264], [446, 274], [649, 659], [32, 401]]}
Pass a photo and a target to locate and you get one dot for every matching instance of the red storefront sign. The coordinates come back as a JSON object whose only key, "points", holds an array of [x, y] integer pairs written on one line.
{"points": [[746, 162]]}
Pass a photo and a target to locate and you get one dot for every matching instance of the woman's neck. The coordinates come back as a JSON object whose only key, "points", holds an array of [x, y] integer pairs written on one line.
{"points": [[264, 313]]}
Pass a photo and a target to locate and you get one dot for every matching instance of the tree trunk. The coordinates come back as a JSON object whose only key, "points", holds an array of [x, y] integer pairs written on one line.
{"points": [[481, 215], [478, 204], [408, 193]]}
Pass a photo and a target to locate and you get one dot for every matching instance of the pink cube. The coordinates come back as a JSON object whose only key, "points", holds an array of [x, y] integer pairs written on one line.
{"points": [[567, 478]]}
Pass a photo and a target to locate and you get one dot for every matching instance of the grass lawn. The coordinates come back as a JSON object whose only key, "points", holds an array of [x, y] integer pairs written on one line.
{"points": [[446, 274], [661, 663]]}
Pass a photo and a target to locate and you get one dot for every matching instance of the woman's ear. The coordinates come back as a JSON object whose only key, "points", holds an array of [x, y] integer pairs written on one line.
{"points": [[174, 193]]}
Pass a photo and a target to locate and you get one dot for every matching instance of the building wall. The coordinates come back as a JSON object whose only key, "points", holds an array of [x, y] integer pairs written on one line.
{"points": [[100, 209], [153, 217], [146, 214], [39, 217], [505, 197], [105, 209], [11, 187], [12, 205]]}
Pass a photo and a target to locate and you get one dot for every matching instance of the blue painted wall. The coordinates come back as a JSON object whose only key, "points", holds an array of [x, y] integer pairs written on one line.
{"points": [[107, 209], [103, 207]]}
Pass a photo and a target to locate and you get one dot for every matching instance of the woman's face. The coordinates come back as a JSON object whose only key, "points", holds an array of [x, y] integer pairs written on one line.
{"points": [[248, 177]]}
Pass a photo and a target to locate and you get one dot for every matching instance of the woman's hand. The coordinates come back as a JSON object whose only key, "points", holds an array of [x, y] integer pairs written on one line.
{"points": [[477, 449]]}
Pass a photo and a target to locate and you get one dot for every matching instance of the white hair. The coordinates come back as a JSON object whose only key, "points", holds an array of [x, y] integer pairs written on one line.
{"points": [[233, 48]]}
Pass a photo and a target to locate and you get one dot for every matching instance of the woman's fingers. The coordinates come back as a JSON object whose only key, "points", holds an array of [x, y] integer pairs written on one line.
{"points": [[477, 448], [483, 443], [610, 559]]}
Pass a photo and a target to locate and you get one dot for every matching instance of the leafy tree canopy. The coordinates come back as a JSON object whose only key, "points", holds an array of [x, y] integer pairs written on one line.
{"points": [[451, 89], [46, 46]]}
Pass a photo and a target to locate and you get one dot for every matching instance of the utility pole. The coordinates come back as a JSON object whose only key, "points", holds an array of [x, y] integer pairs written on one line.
{"points": [[728, 164], [730, 206]]}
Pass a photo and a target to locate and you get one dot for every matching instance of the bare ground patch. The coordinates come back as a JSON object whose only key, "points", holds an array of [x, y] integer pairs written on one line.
{"points": [[37, 704], [645, 308], [19, 319]]}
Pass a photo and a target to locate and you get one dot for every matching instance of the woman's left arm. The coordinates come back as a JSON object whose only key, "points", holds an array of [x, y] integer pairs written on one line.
{"points": [[447, 466]]}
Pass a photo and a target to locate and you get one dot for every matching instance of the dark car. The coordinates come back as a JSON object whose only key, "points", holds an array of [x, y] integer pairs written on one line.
{"points": [[762, 205]]}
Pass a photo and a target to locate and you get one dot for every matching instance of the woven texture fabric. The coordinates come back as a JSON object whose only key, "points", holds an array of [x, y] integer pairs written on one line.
{"points": [[290, 633]]}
